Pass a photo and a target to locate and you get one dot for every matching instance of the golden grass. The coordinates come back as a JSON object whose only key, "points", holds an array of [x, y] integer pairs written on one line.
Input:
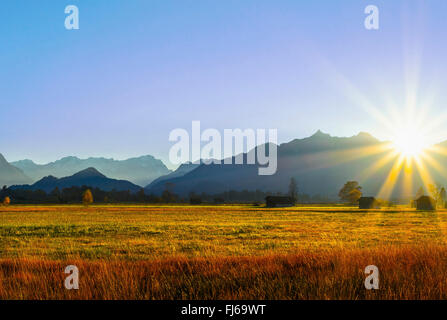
{"points": [[224, 252], [405, 273]]}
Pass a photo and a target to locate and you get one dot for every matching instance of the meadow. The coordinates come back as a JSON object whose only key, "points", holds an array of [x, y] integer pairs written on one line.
{"points": [[221, 252]]}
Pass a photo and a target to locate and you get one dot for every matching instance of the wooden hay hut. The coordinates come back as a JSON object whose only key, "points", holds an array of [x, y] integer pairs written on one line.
{"points": [[368, 203], [279, 201], [426, 203]]}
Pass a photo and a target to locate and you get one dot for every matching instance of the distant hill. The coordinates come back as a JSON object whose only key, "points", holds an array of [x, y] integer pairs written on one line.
{"points": [[89, 177], [10, 175], [183, 169], [321, 164], [141, 171]]}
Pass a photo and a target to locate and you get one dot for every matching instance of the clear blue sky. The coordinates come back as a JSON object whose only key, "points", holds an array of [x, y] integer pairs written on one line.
{"points": [[138, 69]]}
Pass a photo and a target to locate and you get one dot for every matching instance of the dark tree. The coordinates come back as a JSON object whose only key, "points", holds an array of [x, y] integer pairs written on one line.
{"points": [[293, 189], [351, 192]]}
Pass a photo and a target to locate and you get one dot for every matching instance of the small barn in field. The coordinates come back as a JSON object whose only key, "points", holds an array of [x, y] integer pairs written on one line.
{"points": [[279, 201], [368, 203], [426, 203], [195, 200]]}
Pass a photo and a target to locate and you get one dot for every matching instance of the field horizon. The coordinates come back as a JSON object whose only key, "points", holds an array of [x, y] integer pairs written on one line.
{"points": [[221, 252]]}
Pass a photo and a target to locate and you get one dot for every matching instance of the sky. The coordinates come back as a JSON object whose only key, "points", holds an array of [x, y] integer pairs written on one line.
{"points": [[136, 70]]}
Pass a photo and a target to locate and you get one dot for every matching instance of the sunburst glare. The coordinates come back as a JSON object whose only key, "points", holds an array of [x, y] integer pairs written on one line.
{"points": [[410, 142]]}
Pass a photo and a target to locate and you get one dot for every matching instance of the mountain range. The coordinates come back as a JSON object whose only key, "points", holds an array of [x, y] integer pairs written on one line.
{"points": [[320, 164], [89, 177], [141, 171]]}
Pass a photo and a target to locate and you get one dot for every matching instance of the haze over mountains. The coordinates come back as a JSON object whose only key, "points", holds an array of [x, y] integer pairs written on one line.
{"points": [[141, 171], [11, 175], [179, 172], [321, 164]]}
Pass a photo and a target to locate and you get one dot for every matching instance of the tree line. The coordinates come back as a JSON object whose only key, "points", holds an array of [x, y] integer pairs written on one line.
{"points": [[74, 195], [350, 193]]}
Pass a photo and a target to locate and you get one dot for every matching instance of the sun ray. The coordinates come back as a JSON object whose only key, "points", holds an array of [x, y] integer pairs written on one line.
{"points": [[375, 167], [321, 160], [434, 164], [390, 182], [424, 174], [407, 120], [408, 171], [353, 93], [438, 149]]}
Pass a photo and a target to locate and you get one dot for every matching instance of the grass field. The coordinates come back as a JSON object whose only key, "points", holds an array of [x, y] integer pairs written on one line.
{"points": [[221, 252]]}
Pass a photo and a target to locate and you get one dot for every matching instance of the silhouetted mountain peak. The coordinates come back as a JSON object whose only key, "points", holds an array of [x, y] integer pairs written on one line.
{"points": [[48, 179], [366, 136], [25, 162], [320, 137], [89, 177], [2, 159], [146, 157], [68, 159], [320, 134], [88, 173]]}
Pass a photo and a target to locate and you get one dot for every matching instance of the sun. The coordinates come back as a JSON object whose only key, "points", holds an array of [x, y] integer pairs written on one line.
{"points": [[410, 142]]}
